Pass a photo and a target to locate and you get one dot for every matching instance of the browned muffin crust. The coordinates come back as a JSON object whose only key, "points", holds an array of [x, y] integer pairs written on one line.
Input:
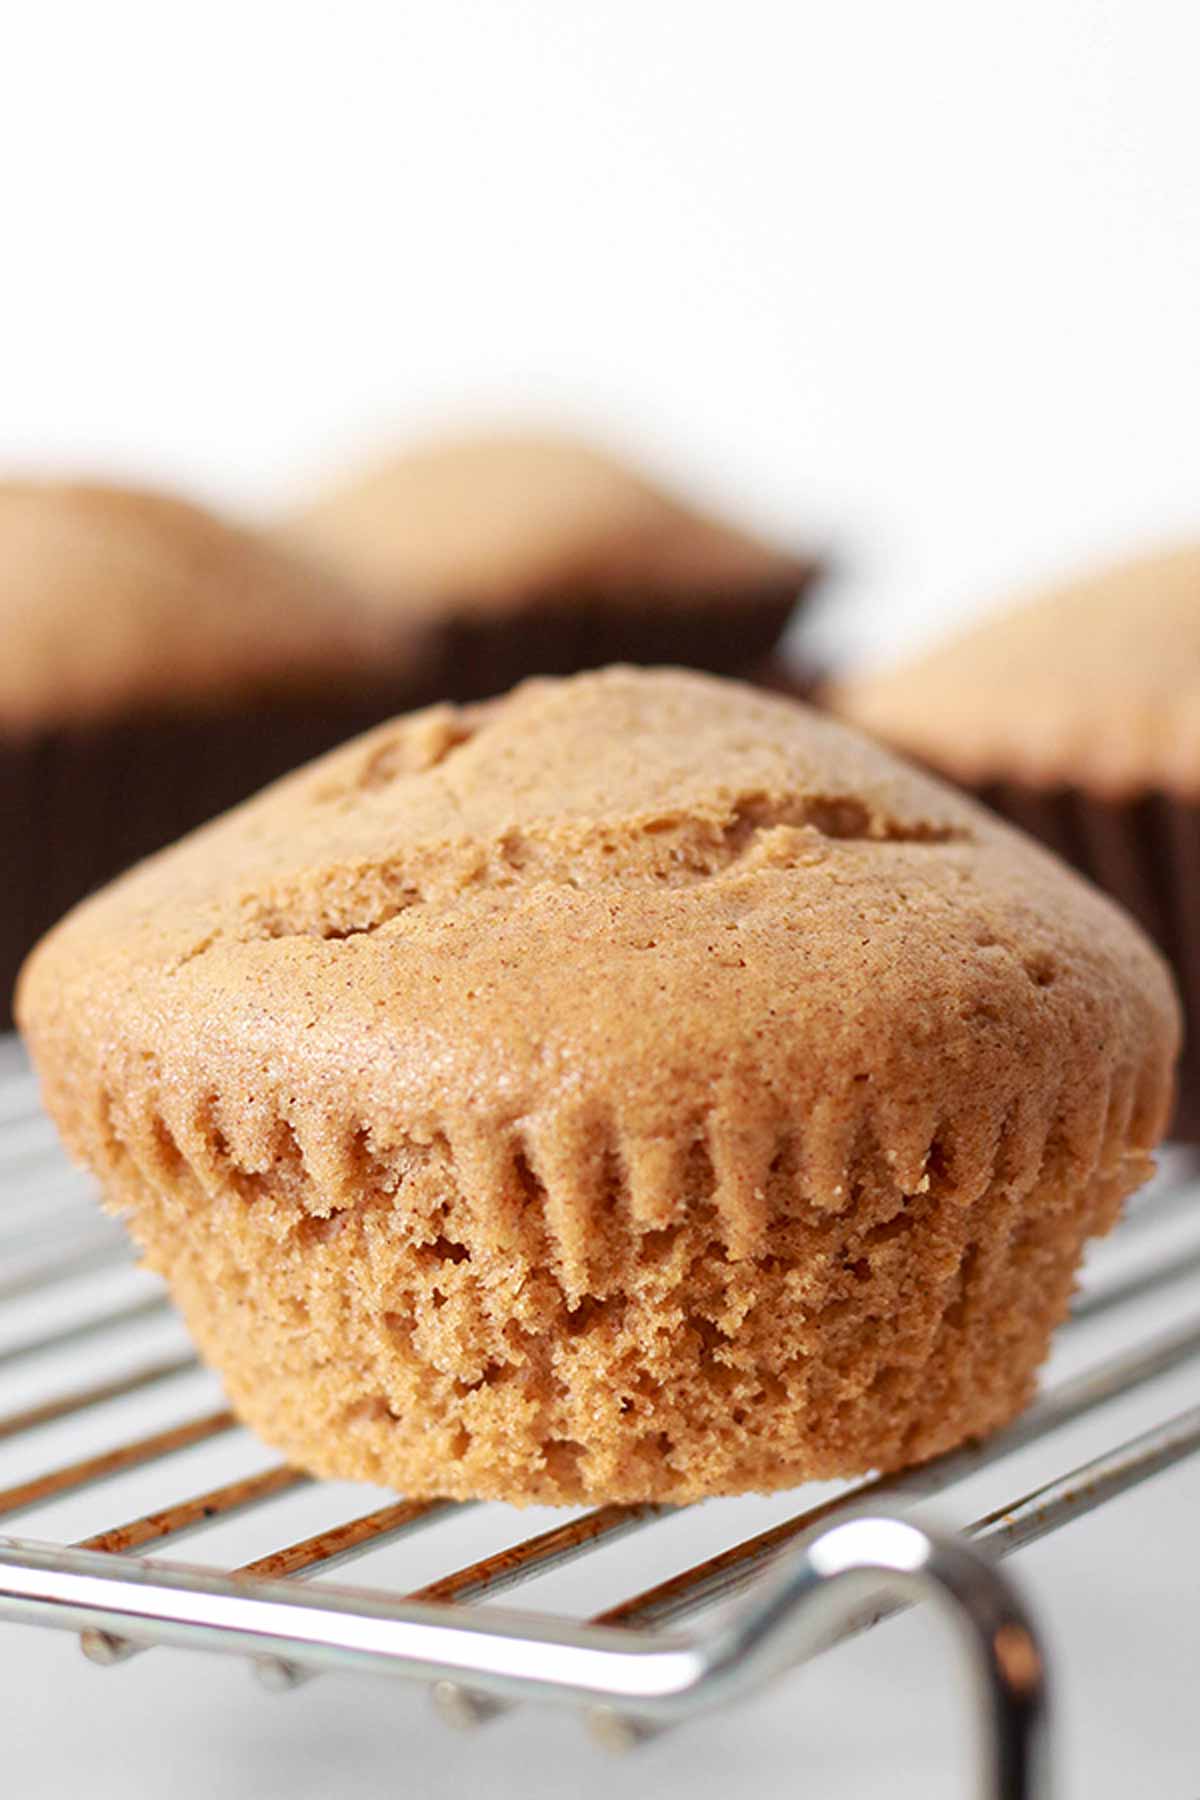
{"points": [[534, 554], [117, 602], [637, 1087], [1094, 685]]}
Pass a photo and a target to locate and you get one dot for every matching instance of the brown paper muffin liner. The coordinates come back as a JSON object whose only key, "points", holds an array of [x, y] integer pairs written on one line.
{"points": [[795, 678], [479, 655], [80, 804], [1145, 852]]}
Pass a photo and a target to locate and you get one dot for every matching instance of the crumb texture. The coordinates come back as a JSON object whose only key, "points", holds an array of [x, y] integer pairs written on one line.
{"points": [[634, 1087]]}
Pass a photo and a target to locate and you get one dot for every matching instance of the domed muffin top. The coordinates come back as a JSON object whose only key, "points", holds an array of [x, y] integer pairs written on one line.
{"points": [[114, 600], [1096, 684], [625, 920], [492, 522]]}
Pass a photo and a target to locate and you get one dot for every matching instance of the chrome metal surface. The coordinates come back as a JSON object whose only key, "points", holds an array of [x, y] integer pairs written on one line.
{"points": [[77, 1400], [84, 1339], [653, 1676], [89, 1470]]}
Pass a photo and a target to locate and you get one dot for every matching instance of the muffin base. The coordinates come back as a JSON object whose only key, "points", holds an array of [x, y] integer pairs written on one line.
{"points": [[430, 1342], [1144, 850]]}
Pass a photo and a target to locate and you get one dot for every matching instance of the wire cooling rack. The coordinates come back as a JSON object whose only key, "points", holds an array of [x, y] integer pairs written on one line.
{"points": [[84, 1335]]}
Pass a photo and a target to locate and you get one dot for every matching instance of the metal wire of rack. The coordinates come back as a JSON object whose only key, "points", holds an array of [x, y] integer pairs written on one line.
{"points": [[707, 1634]]}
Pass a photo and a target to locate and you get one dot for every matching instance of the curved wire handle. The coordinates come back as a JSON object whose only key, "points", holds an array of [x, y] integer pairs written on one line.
{"points": [[869, 1564], [818, 1593]]}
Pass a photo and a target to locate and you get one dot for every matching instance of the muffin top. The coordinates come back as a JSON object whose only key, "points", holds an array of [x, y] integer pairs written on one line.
{"points": [[115, 601], [634, 918], [491, 524], [1096, 684]]}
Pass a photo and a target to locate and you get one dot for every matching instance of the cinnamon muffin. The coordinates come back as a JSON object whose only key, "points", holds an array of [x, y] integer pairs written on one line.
{"points": [[1077, 715], [534, 555], [158, 665], [638, 1087]]}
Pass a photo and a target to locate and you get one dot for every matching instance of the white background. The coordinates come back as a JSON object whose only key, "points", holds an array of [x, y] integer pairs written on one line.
{"points": [[920, 283]]}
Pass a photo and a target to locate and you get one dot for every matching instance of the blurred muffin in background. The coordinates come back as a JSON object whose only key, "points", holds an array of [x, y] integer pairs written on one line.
{"points": [[1077, 715], [541, 555], [159, 665]]}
